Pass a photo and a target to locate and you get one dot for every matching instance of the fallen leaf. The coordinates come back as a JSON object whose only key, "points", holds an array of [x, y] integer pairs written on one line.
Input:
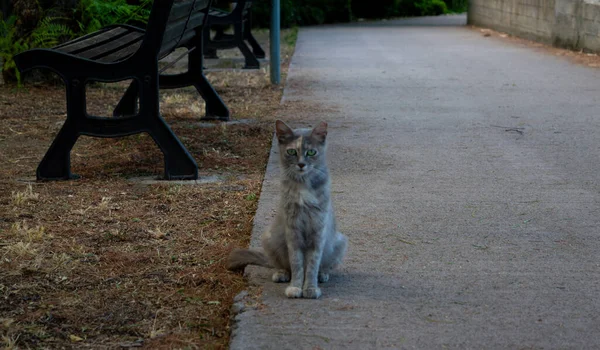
{"points": [[75, 338]]}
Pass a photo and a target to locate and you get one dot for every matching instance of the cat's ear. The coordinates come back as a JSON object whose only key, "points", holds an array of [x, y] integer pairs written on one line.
{"points": [[283, 131], [320, 131]]}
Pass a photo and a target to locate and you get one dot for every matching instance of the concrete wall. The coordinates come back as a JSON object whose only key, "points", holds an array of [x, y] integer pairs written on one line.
{"points": [[573, 24]]}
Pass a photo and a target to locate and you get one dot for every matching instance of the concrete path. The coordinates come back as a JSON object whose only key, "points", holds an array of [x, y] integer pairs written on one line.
{"points": [[466, 173]]}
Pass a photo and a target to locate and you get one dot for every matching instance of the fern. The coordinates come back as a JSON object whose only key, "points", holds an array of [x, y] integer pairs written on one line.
{"points": [[50, 33], [95, 14], [10, 45], [89, 16]]}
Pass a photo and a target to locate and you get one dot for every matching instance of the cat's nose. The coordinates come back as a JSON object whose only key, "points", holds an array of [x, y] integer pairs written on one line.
{"points": [[301, 165]]}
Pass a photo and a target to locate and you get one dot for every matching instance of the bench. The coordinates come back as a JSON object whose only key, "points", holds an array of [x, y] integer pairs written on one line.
{"points": [[123, 52], [241, 19]]}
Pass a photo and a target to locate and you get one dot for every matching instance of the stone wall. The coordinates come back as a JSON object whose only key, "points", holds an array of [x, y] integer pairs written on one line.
{"points": [[573, 24]]}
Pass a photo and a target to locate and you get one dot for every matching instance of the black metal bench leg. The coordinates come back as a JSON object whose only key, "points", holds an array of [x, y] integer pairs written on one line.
{"points": [[215, 107], [256, 49], [251, 61], [56, 164], [208, 52], [179, 164], [128, 104], [219, 32]]}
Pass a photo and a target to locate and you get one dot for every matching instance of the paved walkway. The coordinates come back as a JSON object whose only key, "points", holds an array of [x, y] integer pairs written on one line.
{"points": [[466, 173]]}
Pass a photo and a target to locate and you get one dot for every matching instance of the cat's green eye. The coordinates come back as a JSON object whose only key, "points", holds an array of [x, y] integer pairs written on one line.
{"points": [[311, 153], [291, 152]]}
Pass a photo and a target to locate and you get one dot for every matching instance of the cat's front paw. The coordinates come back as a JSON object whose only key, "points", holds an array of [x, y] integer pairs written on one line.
{"points": [[323, 277], [293, 292], [311, 293], [281, 276]]}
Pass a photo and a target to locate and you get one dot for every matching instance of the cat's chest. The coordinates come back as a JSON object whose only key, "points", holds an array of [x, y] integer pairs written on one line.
{"points": [[306, 198], [302, 197]]}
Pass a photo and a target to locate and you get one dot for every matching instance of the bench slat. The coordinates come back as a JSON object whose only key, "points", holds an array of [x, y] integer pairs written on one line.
{"points": [[218, 13], [180, 10], [85, 42], [109, 47], [167, 47], [121, 54], [224, 13], [117, 43], [182, 27]]}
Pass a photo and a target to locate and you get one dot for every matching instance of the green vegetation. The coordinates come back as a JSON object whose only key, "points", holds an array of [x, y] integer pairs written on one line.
{"points": [[47, 33], [307, 12], [33, 26], [91, 15], [40, 24], [431, 7], [303, 12]]}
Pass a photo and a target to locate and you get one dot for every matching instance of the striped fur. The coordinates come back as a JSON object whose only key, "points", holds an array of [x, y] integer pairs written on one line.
{"points": [[303, 243]]}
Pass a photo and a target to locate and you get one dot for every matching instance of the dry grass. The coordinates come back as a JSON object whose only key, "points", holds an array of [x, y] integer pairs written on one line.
{"points": [[104, 262]]}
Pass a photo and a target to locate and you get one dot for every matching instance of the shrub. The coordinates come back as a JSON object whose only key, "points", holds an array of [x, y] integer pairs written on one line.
{"points": [[431, 7], [91, 15], [302, 12], [49, 32], [307, 12], [407, 8], [374, 9], [48, 23], [457, 6]]}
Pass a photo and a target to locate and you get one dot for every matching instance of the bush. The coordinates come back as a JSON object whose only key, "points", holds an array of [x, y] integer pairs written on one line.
{"points": [[302, 12], [431, 7], [407, 8], [91, 15], [49, 32], [42, 24], [374, 9], [307, 12], [457, 6]]}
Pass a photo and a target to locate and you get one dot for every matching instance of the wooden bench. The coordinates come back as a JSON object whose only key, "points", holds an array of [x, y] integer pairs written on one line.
{"points": [[123, 52], [241, 19]]}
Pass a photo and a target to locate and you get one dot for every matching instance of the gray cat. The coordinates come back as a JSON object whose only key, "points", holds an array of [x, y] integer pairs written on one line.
{"points": [[303, 243]]}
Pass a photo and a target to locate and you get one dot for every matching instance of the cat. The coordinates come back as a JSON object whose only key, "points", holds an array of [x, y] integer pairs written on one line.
{"points": [[303, 243]]}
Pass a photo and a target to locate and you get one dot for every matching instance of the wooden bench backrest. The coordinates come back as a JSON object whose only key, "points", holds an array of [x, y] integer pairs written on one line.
{"points": [[246, 5], [176, 22]]}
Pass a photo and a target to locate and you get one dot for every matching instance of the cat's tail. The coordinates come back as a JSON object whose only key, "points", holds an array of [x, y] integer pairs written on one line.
{"points": [[240, 258]]}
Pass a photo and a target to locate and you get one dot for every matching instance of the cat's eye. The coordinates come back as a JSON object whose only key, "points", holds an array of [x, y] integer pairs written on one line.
{"points": [[311, 152], [291, 152]]}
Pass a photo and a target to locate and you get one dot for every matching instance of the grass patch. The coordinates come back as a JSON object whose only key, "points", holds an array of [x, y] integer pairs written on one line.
{"points": [[22, 197]]}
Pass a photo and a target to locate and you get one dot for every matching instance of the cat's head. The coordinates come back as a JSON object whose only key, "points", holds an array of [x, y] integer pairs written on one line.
{"points": [[302, 151]]}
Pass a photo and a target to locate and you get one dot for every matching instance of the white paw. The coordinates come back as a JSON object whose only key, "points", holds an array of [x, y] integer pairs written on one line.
{"points": [[293, 292], [281, 276], [323, 277], [311, 293]]}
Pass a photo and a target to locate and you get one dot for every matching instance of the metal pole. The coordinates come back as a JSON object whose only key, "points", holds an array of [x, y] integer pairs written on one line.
{"points": [[275, 61]]}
